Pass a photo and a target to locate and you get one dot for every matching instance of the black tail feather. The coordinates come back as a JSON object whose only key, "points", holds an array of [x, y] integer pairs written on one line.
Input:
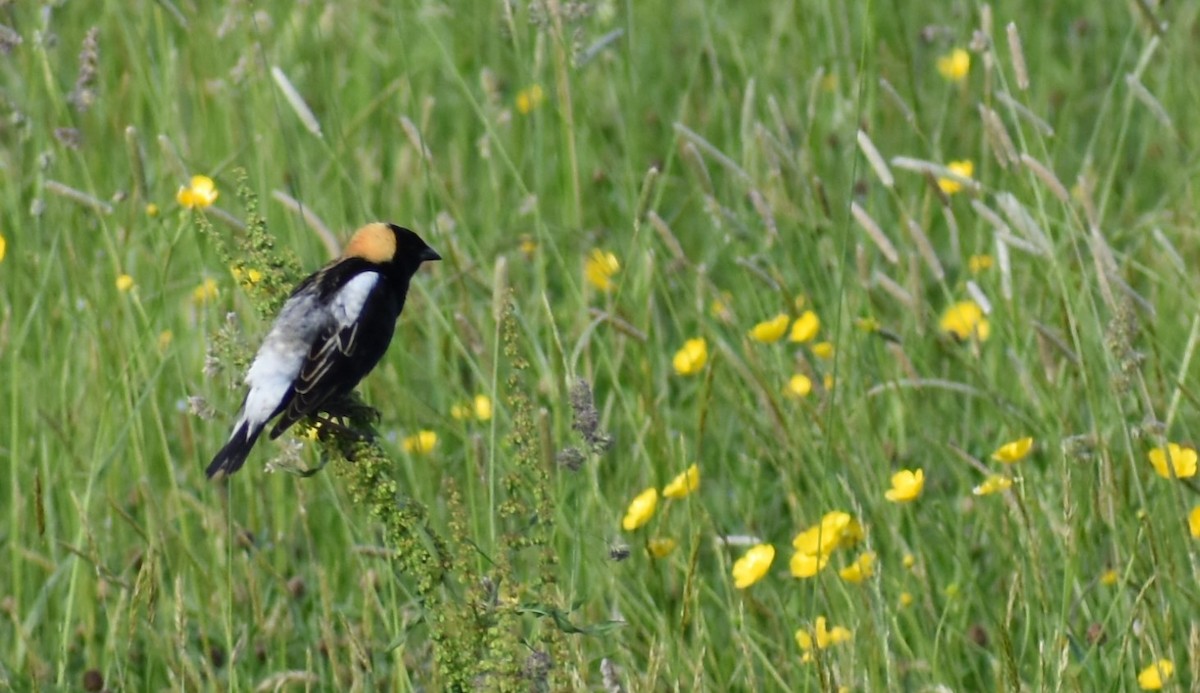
{"points": [[234, 454]]}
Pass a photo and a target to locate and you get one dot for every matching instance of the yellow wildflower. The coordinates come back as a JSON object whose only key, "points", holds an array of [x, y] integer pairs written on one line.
{"points": [[955, 65], [1109, 577], [528, 245], [530, 98], [421, 442], [206, 291], [753, 565], [599, 269], [906, 599], [909, 561], [835, 529], [862, 568], [1155, 676], [828, 381], [964, 320], [1183, 461], [806, 327], [640, 510], [906, 486], [164, 339], [200, 194], [483, 407], [684, 483], [823, 350], [124, 283], [151, 209], [993, 484], [771, 330], [979, 263], [964, 168], [246, 277], [3, 247], [719, 308], [661, 547], [691, 358], [805, 565], [1194, 522], [1013, 451], [821, 637], [798, 386], [479, 408]]}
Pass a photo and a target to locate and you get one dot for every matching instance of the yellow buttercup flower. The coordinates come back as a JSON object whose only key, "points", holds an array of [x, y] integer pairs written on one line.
{"points": [[799, 385], [753, 565], [804, 565], [806, 327], [124, 283], [719, 308], [909, 561], [164, 339], [640, 510], [200, 194], [661, 547], [1155, 676], [3, 247], [420, 443], [836, 529], [1013, 451], [955, 65], [771, 330], [964, 168], [979, 263], [993, 484], [206, 291], [483, 407], [599, 269], [683, 484], [479, 408], [1109, 577], [530, 98], [1183, 461], [691, 358], [246, 277], [821, 637], [823, 350], [151, 209], [862, 568], [964, 320], [1194, 522], [906, 486]]}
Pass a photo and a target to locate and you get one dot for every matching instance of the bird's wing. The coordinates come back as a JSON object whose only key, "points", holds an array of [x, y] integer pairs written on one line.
{"points": [[335, 362]]}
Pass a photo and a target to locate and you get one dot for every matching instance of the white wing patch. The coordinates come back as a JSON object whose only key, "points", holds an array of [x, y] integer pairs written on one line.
{"points": [[348, 302]]}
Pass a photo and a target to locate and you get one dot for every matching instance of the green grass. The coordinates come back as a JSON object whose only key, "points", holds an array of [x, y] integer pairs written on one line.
{"points": [[485, 564]]}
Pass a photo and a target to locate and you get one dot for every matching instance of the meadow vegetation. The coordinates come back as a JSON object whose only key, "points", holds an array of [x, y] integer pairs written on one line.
{"points": [[777, 346]]}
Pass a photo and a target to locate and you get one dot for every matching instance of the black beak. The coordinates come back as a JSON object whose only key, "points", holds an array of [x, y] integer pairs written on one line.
{"points": [[429, 255]]}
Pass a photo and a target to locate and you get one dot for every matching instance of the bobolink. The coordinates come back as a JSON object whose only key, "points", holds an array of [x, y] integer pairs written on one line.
{"points": [[330, 333]]}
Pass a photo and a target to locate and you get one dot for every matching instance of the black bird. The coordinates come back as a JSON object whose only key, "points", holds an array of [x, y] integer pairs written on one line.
{"points": [[331, 332]]}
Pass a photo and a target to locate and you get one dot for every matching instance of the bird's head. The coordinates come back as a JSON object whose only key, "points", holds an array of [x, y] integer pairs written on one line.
{"points": [[390, 246]]}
